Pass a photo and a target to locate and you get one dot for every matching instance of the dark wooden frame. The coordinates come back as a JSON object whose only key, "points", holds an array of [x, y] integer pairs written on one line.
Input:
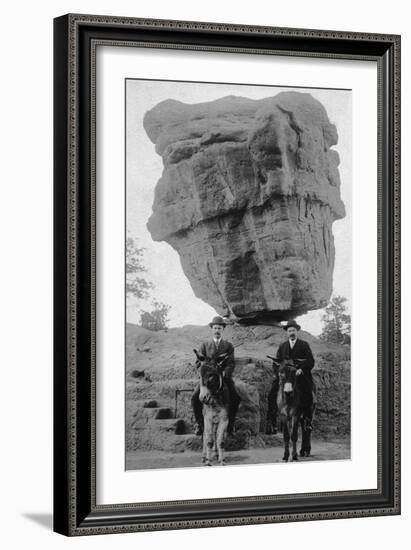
{"points": [[75, 40]]}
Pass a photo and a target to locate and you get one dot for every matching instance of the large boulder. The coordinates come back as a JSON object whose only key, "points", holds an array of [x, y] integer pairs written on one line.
{"points": [[248, 195]]}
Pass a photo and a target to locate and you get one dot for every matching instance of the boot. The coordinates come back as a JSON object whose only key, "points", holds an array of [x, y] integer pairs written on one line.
{"points": [[231, 428], [198, 429], [271, 428]]}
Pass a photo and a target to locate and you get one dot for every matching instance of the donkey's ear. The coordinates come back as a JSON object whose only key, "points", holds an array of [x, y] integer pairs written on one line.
{"points": [[198, 355], [275, 362]]}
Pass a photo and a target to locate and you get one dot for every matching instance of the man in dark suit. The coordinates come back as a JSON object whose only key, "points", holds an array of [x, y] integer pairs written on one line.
{"points": [[212, 349], [293, 348]]}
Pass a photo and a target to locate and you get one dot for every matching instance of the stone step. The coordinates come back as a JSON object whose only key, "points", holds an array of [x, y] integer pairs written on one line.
{"points": [[148, 403], [164, 413], [161, 413]]}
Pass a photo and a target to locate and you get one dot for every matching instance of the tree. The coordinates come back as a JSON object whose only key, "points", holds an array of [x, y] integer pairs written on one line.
{"points": [[136, 285], [337, 322], [157, 318]]}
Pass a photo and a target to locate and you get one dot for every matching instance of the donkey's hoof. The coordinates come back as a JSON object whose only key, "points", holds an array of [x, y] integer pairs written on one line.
{"points": [[223, 462], [295, 458], [203, 460], [285, 458]]}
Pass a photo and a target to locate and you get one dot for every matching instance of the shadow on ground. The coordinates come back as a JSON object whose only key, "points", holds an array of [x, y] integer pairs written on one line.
{"points": [[45, 520]]}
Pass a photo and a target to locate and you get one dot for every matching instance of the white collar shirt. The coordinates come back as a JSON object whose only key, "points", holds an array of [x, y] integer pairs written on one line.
{"points": [[217, 342], [292, 343]]}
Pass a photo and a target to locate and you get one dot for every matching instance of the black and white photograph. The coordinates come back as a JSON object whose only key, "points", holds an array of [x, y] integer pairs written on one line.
{"points": [[205, 275], [238, 272]]}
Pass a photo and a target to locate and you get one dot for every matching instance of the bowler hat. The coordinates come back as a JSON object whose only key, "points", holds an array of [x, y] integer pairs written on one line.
{"points": [[291, 324], [217, 321]]}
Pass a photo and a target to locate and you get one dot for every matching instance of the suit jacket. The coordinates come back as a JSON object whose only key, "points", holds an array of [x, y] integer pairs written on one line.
{"points": [[209, 350], [301, 350]]}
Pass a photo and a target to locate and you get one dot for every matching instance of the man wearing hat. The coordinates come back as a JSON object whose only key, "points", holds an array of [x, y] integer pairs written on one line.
{"points": [[212, 349], [293, 348]]}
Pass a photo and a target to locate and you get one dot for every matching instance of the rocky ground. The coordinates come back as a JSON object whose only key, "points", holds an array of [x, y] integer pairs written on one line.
{"points": [[160, 377]]}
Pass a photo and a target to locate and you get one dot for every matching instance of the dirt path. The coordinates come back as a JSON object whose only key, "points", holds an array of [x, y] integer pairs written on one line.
{"points": [[321, 450]]}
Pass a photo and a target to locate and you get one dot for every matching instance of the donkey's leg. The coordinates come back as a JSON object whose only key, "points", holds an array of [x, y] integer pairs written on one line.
{"points": [[303, 437], [306, 447], [306, 428], [204, 452], [309, 431], [286, 437], [221, 436], [209, 431], [294, 436], [207, 439], [307, 437], [215, 446]]}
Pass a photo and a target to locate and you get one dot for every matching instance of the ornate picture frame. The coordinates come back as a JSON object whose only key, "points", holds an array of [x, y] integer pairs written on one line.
{"points": [[76, 40]]}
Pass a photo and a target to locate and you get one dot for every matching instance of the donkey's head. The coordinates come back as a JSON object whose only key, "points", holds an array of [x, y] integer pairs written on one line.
{"points": [[287, 375], [211, 372], [287, 372]]}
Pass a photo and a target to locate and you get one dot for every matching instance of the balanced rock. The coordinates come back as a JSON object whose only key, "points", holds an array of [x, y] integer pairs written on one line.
{"points": [[248, 195]]}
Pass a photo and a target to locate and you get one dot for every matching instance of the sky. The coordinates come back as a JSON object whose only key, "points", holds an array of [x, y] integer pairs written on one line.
{"points": [[144, 168]]}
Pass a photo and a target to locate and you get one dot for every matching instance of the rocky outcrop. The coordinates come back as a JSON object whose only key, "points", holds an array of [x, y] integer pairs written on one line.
{"points": [[248, 195], [171, 375]]}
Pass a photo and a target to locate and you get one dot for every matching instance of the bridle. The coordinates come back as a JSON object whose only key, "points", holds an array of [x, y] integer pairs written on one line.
{"points": [[217, 366], [220, 376], [292, 381]]}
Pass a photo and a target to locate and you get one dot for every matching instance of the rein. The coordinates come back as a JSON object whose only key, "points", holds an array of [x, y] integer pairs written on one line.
{"points": [[221, 383], [221, 386], [220, 376]]}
